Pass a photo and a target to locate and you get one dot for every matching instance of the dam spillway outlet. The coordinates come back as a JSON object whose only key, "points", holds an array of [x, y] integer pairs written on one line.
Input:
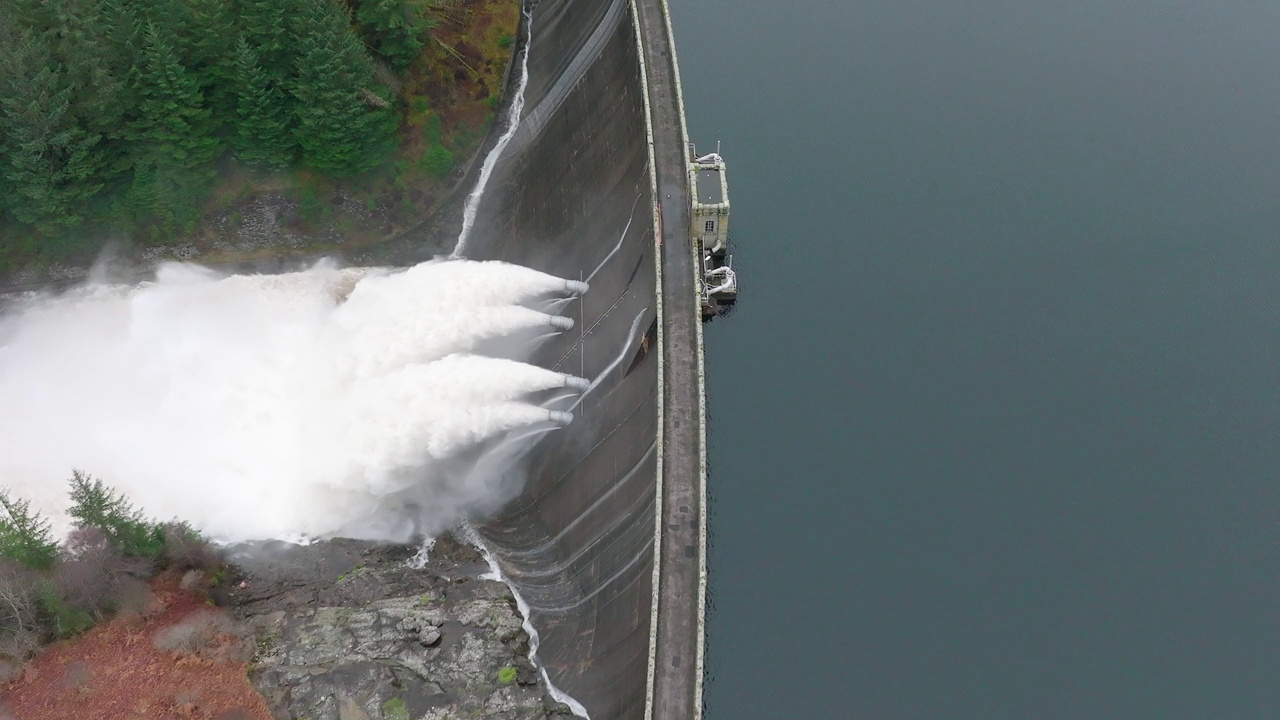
{"points": [[560, 417], [560, 322], [576, 383], [576, 287]]}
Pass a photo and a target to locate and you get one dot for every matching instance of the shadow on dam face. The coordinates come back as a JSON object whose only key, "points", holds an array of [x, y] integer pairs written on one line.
{"points": [[571, 191]]}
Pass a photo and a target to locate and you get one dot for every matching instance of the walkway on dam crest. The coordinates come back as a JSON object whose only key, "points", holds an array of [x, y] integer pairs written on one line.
{"points": [[676, 690]]}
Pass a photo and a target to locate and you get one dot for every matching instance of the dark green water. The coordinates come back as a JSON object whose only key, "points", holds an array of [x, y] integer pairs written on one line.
{"points": [[996, 429]]}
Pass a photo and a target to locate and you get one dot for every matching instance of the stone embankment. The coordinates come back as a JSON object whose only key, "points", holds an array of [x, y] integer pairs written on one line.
{"points": [[347, 630]]}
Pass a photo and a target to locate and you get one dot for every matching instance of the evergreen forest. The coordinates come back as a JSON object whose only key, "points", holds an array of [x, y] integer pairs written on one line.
{"points": [[120, 114]]}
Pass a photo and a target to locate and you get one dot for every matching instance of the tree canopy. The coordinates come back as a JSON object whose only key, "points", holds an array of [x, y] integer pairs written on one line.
{"points": [[112, 110]]}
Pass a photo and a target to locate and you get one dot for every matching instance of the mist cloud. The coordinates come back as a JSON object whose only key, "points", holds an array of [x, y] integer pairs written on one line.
{"points": [[328, 401]]}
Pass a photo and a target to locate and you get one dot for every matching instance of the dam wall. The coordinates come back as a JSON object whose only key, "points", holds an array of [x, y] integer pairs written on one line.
{"points": [[607, 541], [572, 195]]}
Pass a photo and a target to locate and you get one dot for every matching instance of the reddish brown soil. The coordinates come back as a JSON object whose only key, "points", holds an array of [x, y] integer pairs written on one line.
{"points": [[115, 672]]}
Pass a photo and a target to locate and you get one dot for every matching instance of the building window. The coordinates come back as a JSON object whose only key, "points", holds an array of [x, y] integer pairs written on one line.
{"points": [[711, 226]]}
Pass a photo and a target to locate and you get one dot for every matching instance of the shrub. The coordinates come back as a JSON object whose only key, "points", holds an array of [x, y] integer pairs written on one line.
{"points": [[15, 648], [133, 598], [438, 161], [77, 675], [97, 505], [185, 549], [507, 675], [197, 634], [504, 41], [432, 130], [188, 636], [94, 573], [188, 701], [64, 620], [394, 709], [311, 207], [10, 668], [217, 575], [24, 535], [398, 169], [20, 625]]}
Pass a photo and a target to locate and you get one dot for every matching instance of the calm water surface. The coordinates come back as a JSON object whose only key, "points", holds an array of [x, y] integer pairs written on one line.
{"points": [[996, 429]]}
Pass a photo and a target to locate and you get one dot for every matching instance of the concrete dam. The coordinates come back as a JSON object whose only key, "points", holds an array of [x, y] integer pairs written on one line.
{"points": [[607, 542]]}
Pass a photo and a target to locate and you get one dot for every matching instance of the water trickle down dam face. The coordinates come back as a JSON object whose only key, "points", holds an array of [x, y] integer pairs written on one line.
{"points": [[570, 196]]}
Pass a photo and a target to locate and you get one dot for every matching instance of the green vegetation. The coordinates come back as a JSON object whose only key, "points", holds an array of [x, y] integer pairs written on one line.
{"points": [[97, 506], [393, 29], [25, 536], [394, 709], [507, 675], [50, 591], [140, 119], [345, 123], [264, 115], [217, 575], [311, 205], [438, 161], [65, 620]]}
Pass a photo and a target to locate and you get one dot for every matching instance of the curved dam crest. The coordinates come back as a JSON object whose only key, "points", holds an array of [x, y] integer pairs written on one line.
{"points": [[612, 504]]}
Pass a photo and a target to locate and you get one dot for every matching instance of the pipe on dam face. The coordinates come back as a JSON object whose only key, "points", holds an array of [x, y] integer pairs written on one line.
{"points": [[560, 322], [576, 383], [559, 417], [576, 287], [578, 541]]}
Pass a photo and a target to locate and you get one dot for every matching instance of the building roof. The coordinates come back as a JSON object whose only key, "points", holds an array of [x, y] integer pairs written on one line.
{"points": [[710, 191]]}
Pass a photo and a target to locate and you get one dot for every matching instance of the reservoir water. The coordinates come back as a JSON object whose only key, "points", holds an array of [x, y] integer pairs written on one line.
{"points": [[995, 431]]}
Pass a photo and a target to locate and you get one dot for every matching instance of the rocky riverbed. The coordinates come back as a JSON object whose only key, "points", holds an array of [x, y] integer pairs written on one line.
{"points": [[349, 630]]}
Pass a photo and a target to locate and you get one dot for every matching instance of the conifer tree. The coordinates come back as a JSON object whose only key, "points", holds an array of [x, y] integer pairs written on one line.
{"points": [[393, 30], [96, 67], [264, 26], [345, 125], [167, 198], [25, 536], [263, 122], [175, 19], [438, 160], [173, 121], [51, 163], [35, 16], [122, 32], [6, 191], [213, 56], [96, 505], [8, 36], [175, 138], [76, 42]]}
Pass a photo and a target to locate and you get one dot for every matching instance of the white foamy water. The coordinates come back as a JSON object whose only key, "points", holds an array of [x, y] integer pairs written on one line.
{"points": [[281, 406]]}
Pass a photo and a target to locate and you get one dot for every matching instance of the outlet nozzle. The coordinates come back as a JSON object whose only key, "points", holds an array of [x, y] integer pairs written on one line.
{"points": [[560, 322]]}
